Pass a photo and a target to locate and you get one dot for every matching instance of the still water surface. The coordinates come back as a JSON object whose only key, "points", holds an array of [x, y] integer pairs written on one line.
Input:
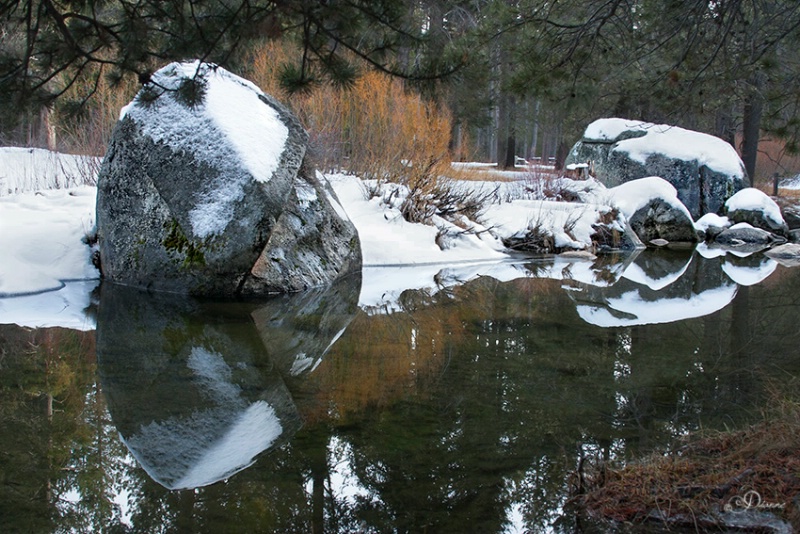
{"points": [[462, 407]]}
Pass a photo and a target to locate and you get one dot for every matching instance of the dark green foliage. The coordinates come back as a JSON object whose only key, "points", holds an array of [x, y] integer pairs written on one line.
{"points": [[148, 95], [192, 91], [49, 45]]}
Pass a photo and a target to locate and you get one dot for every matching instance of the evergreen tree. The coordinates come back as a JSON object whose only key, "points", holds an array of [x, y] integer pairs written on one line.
{"points": [[46, 46]]}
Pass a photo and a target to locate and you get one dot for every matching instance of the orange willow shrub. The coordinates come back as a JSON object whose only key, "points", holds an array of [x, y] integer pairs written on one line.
{"points": [[375, 128], [394, 134], [378, 130]]}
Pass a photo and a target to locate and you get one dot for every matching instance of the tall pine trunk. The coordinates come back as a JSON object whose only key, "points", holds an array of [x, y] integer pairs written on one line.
{"points": [[751, 128]]}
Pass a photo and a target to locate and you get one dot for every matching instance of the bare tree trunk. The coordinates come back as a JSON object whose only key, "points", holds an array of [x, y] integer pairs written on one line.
{"points": [[502, 128], [753, 106], [511, 135], [535, 140], [45, 117], [725, 126]]}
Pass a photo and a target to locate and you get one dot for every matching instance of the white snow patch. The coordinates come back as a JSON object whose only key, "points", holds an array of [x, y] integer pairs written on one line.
{"points": [[388, 239], [711, 219], [41, 236], [569, 223], [254, 135]]}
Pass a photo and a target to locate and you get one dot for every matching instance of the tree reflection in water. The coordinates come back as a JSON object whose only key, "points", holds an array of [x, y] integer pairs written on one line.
{"points": [[461, 407]]}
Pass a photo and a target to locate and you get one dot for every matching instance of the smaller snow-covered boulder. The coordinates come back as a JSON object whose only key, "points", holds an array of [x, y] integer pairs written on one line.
{"points": [[704, 169], [755, 208], [653, 210], [205, 189]]}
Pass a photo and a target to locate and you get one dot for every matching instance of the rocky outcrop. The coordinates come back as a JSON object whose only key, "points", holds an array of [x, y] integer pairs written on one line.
{"points": [[659, 220], [704, 170], [205, 190]]}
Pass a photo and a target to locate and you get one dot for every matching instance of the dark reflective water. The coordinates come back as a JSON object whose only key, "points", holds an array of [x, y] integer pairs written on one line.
{"points": [[462, 407]]}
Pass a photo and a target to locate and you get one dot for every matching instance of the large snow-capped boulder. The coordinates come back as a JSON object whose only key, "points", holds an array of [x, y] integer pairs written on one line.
{"points": [[704, 169], [754, 207], [205, 190], [653, 210]]}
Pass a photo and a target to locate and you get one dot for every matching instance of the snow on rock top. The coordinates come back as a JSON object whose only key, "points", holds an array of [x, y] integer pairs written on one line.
{"points": [[752, 199], [254, 132], [711, 220], [636, 194], [671, 141]]}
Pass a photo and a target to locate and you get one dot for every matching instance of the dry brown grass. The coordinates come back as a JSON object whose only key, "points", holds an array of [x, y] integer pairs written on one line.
{"points": [[692, 485], [87, 128], [774, 159]]}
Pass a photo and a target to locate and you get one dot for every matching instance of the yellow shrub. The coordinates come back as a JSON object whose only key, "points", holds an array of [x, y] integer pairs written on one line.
{"points": [[375, 128]]}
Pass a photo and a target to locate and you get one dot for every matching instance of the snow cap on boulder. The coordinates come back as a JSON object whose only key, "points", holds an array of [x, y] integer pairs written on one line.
{"points": [[754, 207], [704, 169], [201, 169], [653, 210]]}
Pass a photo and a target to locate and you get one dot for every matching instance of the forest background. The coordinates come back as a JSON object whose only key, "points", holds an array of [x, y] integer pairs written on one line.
{"points": [[379, 84]]}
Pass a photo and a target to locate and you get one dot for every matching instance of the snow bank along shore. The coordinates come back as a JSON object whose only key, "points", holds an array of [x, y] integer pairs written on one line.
{"points": [[46, 274]]}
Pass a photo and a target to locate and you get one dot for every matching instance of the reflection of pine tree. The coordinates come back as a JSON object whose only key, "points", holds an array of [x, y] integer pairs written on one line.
{"points": [[46, 377]]}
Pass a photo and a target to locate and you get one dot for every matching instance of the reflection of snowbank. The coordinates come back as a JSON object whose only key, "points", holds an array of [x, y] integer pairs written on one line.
{"points": [[381, 287], [631, 309]]}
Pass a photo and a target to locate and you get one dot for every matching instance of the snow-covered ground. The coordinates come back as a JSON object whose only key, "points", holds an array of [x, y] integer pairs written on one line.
{"points": [[46, 275], [33, 169]]}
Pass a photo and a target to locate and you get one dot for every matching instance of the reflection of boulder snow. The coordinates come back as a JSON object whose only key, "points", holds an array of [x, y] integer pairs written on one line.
{"points": [[189, 386], [662, 288], [211, 444], [750, 270], [631, 309], [192, 388], [657, 269], [183, 454]]}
